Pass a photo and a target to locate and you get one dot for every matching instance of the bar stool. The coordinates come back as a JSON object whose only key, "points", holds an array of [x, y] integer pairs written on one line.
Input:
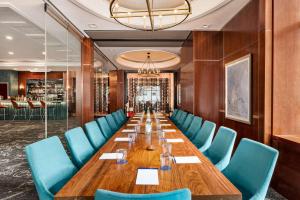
{"points": [[43, 107], [19, 111], [2, 107], [34, 109]]}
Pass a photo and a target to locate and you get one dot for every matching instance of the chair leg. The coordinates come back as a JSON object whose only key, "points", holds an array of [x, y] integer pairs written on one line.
{"points": [[15, 114]]}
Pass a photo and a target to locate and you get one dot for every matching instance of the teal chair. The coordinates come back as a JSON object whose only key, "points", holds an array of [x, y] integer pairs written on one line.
{"points": [[80, 148], [220, 151], [122, 116], [193, 128], [94, 134], [187, 122], [251, 168], [181, 119], [181, 194], [172, 117], [105, 128], [51, 168], [117, 119], [178, 115], [203, 138], [112, 123]]}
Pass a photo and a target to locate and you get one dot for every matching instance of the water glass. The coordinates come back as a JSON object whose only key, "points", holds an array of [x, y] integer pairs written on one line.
{"points": [[123, 158], [167, 149], [148, 128], [137, 129], [161, 135], [131, 137], [165, 162]]}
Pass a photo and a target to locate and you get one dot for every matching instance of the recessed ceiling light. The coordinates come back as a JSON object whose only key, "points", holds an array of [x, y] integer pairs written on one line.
{"points": [[205, 26], [12, 22], [15, 69], [44, 53], [35, 34], [8, 37], [92, 25], [11, 53]]}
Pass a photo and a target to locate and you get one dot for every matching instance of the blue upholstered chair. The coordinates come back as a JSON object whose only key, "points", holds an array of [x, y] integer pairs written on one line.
{"points": [[203, 138], [104, 127], [181, 119], [123, 116], [181, 194], [80, 148], [187, 122], [178, 115], [51, 168], [112, 123], [172, 117], [219, 153], [251, 168], [117, 119], [193, 128], [94, 134]]}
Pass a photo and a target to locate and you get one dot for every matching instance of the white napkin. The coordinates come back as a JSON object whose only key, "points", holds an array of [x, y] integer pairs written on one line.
{"points": [[111, 156], [176, 140], [147, 177], [128, 130], [122, 139], [186, 159], [169, 130]]}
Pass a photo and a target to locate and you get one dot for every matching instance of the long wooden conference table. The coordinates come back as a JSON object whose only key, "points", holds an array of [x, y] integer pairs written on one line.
{"points": [[203, 179]]}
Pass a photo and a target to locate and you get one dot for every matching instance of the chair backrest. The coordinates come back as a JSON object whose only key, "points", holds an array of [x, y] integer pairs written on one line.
{"points": [[187, 122], [80, 148], [252, 167], [117, 118], [43, 104], [105, 128], [30, 104], [204, 137], [121, 111], [178, 115], [50, 166], [181, 194], [94, 134], [194, 127], [182, 118], [221, 147], [121, 116], [15, 104], [111, 122]]}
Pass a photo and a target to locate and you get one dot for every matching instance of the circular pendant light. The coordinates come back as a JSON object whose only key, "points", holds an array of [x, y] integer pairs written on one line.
{"points": [[150, 15]]}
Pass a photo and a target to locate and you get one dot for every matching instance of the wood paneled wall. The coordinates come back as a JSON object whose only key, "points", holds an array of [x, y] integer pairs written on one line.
{"points": [[87, 80], [207, 62], [286, 96], [116, 90], [186, 76], [24, 76]]}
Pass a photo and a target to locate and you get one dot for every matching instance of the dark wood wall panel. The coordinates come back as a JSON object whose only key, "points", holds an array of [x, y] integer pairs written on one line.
{"points": [[208, 53], [186, 76], [116, 90]]}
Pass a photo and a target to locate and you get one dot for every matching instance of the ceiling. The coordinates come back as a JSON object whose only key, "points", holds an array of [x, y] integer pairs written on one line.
{"points": [[90, 17]]}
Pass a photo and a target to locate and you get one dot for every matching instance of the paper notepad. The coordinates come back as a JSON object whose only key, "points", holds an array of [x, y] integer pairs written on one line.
{"points": [[122, 139], [163, 120], [111, 156], [128, 130], [174, 140], [186, 159], [165, 124], [147, 177], [131, 124], [169, 130]]}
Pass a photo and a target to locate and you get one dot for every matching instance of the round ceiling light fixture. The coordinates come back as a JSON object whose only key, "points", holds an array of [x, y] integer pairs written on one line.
{"points": [[150, 15]]}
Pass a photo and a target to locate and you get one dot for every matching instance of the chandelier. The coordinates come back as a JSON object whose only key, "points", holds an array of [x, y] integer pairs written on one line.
{"points": [[150, 15], [148, 68]]}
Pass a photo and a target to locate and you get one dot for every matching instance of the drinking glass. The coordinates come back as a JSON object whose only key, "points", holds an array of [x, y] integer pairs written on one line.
{"points": [[123, 158], [167, 149], [137, 129], [131, 137], [165, 162], [161, 135]]}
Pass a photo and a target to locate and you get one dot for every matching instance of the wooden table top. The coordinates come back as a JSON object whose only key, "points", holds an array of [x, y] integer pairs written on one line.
{"points": [[203, 179]]}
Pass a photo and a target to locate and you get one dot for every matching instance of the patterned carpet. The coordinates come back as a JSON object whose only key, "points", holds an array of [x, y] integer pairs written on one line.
{"points": [[15, 177]]}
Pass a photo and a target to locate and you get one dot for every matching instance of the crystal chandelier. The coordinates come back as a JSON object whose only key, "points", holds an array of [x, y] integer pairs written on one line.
{"points": [[148, 68], [150, 15]]}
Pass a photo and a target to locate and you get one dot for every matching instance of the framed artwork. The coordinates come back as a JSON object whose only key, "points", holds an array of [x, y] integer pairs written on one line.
{"points": [[238, 89]]}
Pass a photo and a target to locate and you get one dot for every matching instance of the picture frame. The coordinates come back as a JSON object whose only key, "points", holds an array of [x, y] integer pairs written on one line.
{"points": [[238, 89]]}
